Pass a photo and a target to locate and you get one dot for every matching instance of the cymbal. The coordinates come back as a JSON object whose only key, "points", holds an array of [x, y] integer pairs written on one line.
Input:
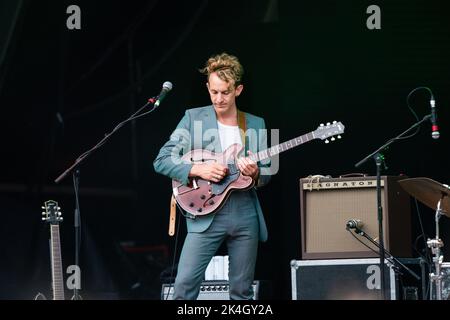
{"points": [[429, 192]]}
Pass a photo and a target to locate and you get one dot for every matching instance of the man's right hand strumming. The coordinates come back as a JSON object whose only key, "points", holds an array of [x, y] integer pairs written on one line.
{"points": [[209, 171]]}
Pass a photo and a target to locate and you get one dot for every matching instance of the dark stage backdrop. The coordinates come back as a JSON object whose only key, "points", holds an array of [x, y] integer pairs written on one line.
{"points": [[61, 90]]}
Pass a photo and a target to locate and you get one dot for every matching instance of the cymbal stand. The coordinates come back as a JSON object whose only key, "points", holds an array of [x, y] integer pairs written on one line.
{"points": [[435, 245]]}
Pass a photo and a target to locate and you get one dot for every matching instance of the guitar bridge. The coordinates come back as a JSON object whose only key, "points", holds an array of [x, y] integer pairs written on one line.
{"points": [[194, 183], [176, 191]]}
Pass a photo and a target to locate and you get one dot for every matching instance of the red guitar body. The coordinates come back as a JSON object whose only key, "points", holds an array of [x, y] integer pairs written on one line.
{"points": [[201, 197]]}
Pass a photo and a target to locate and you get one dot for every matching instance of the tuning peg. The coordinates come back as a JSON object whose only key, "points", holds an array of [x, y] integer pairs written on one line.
{"points": [[59, 208], [326, 141], [43, 219], [43, 213], [43, 208], [328, 123], [332, 139], [321, 124], [339, 137], [334, 122]]}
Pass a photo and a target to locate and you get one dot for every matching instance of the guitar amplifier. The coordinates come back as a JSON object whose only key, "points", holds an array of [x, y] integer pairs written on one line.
{"points": [[327, 204], [217, 290]]}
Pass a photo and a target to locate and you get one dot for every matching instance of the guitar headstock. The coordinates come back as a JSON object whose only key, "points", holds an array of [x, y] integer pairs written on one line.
{"points": [[324, 132], [52, 212]]}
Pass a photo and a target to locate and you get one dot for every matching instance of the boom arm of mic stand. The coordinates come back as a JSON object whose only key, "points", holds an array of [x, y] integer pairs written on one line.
{"points": [[99, 144], [387, 144], [365, 235]]}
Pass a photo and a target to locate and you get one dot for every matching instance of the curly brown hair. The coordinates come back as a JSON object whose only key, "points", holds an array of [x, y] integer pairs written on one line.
{"points": [[227, 67]]}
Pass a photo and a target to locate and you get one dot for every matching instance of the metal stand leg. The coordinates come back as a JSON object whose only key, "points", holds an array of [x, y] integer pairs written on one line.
{"points": [[430, 193], [435, 245]]}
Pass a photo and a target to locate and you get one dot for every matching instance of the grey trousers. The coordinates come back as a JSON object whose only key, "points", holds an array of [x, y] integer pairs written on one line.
{"points": [[237, 224]]}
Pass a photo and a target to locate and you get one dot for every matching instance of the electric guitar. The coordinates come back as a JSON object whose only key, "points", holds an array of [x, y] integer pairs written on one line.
{"points": [[52, 215], [201, 197]]}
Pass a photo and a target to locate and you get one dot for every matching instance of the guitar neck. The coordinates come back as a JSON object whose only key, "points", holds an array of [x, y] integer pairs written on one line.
{"points": [[57, 273], [284, 146]]}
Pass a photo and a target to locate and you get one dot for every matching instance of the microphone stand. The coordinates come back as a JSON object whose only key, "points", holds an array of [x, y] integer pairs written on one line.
{"points": [[76, 222], [75, 169], [379, 160], [390, 256]]}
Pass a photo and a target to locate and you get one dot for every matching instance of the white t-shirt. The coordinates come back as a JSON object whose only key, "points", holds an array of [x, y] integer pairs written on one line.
{"points": [[228, 135]]}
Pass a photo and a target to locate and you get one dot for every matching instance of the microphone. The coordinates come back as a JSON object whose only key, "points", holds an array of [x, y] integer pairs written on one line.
{"points": [[434, 127], [166, 87], [354, 224]]}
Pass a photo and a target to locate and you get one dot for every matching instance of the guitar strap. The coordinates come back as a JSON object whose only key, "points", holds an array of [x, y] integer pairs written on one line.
{"points": [[173, 202], [242, 128], [173, 216]]}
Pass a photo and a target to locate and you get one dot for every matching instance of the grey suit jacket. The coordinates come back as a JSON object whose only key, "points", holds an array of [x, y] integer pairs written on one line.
{"points": [[198, 130]]}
